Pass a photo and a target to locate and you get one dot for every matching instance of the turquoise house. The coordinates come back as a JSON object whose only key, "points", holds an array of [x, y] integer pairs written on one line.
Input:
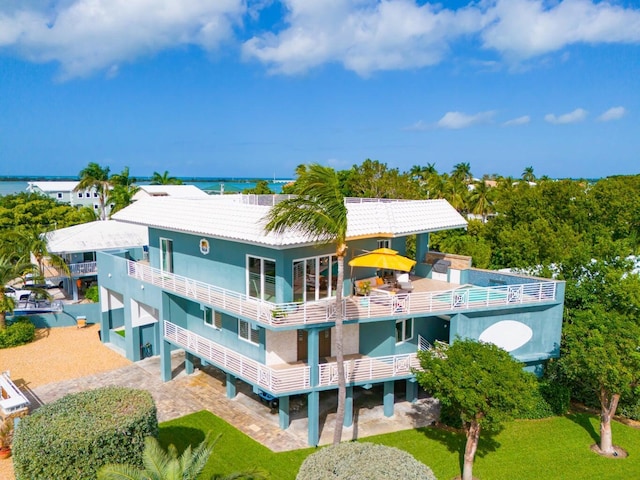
{"points": [[261, 308]]}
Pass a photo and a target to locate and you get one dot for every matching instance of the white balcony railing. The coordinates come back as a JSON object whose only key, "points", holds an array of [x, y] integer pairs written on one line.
{"points": [[354, 307], [84, 268], [292, 378], [276, 381], [369, 368]]}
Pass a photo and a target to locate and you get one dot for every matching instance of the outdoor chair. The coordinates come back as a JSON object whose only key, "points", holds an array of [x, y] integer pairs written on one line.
{"points": [[404, 282]]}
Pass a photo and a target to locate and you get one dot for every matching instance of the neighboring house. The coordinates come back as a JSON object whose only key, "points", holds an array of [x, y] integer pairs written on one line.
{"points": [[180, 191], [78, 245], [260, 307], [63, 192]]}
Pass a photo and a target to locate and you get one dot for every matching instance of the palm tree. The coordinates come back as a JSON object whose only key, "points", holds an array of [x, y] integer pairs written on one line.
{"points": [[167, 465], [32, 243], [123, 178], [9, 270], [462, 172], [528, 175], [164, 179], [95, 176], [121, 196], [480, 202], [319, 211]]}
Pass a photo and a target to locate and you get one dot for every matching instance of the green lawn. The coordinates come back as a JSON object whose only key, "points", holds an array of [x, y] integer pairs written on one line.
{"points": [[555, 448]]}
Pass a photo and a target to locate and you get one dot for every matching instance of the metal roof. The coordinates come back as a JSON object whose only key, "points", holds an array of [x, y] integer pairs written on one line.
{"points": [[53, 186], [238, 220], [98, 235]]}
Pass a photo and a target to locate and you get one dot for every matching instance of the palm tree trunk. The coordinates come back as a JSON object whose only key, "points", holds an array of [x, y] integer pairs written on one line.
{"points": [[342, 384], [3, 321], [608, 406], [473, 436]]}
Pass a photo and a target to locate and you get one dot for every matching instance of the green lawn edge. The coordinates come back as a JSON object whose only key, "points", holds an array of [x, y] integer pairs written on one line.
{"points": [[557, 447]]}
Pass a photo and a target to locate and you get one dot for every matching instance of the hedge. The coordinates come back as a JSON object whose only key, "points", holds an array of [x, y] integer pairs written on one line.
{"points": [[20, 332], [363, 461], [73, 437]]}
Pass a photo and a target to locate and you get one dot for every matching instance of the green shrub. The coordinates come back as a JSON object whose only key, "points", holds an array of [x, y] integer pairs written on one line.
{"points": [[450, 417], [92, 294], [20, 332], [362, 461], [630, 409], [73, 437], [558, 396], [540, 408]]}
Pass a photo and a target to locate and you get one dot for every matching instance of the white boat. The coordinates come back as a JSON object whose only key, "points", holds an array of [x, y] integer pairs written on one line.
{"points": [[33, 306]]}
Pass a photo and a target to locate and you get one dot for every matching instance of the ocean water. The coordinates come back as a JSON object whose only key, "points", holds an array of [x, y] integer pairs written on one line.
{"points": [[230, 185]]}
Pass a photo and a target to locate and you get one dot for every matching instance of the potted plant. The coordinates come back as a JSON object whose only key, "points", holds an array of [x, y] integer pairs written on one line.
{"points": [[6, 437]]}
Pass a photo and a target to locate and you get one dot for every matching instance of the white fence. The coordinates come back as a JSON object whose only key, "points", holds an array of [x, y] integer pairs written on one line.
{"points": [[353, 307]]}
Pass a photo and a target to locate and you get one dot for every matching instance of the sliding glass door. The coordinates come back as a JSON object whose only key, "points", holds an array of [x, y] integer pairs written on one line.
{"points": [[314, 278], [261, 278], [166, 255]]}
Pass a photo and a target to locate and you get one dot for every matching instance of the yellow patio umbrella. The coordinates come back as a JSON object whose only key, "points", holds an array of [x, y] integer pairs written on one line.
{"points": [[384, 258]]}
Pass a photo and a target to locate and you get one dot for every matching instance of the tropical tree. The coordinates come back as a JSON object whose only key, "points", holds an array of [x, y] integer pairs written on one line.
{"points": [[319, 211], [373, 179], [528, 175], [164, 179], [261, 188], [31, 242], [601, 352], [9, 270], [123, 178], [480, 381], [168, 465], [480, 199], [462, 172], [97, 177]]}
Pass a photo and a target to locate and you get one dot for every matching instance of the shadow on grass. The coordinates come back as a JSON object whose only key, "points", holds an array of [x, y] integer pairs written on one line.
{"points": [[583, 419], [455, 441], [181, 437]]}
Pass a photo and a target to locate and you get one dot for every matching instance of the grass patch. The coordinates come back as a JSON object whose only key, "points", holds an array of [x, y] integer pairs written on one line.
{"points": [[122, 333], [557, 447]]}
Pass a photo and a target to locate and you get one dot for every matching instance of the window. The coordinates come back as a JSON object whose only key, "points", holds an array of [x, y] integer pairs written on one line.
{"points": [[261, 278], [248, 332], [95, 195], [59, 194], [166, 255], [96, 206], [404, 330], [212, 318], [384, 243], [79, 194]]}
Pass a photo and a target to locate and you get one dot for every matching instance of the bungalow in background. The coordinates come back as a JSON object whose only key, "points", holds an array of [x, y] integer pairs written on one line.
{"points": [[77, 245], [64, 192], [261, 308]]}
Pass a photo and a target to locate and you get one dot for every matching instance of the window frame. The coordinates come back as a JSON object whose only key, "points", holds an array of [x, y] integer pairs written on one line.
{"points": [[404, 338], [251, 331], [212, 318]]}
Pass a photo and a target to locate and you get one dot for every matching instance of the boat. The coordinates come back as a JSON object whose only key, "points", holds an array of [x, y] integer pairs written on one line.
{"points": [[34, 306]]}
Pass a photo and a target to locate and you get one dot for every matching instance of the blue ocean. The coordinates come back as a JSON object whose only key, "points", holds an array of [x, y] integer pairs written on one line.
{"points": [[9, 185]]}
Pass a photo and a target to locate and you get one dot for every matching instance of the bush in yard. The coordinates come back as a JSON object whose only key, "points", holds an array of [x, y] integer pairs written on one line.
{"points": [[92, 294], [20, 332], [76, 435], [362, 461]]}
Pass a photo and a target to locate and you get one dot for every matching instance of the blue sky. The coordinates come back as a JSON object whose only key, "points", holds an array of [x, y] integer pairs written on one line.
{"points": [[254, 88]]}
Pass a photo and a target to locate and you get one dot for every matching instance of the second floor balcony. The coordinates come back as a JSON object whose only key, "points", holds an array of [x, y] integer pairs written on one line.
{"points": [[428, 297]]}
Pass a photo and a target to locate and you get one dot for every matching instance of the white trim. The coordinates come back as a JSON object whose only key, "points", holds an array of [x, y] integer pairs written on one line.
{"points": [[250, 329], [404, 338]]}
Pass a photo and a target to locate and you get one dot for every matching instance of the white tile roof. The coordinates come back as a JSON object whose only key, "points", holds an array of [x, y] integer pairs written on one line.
{"points": [[53, 186], [183, 191], [98, 235], [225, 217]]}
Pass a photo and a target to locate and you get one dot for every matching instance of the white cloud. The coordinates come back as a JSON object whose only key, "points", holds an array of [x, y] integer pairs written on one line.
{"points": [[419, 126], [363, 35], [457, 120], [578, 115], [614, 113], [89, 35], [522, 29], [523, 120]]}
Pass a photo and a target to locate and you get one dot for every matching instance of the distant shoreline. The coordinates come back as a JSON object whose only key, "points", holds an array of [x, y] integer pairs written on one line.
{"points": [[53, 178]]}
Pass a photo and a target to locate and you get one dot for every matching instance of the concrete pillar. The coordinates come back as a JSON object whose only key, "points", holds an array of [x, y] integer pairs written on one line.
{"points": [[389, 399], [313, 412], [165, 361], [132, 341], [412, 390], [348, 407], [231, 386], [74, 289], [283, 412], [313, 351], [422, 247], [188, 363]]}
